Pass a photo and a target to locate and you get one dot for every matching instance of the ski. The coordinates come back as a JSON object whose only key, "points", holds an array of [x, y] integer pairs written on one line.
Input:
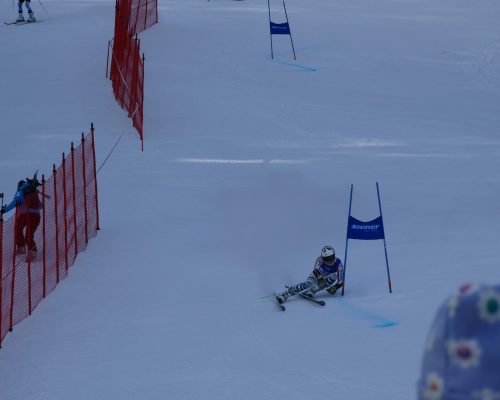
{"points": [[303, 295], [22, 22], [310, 298]]}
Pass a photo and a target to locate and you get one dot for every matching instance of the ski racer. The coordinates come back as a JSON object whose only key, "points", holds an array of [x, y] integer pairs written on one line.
{"points": [[27, 215], [328, 273], [31, 14]]}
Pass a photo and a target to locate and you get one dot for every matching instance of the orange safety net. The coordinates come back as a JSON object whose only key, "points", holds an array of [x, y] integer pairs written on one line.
{"points": [[60, 230]]}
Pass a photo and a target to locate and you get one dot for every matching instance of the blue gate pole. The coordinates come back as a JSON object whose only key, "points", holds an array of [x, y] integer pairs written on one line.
{"points": [[385, 245], [270, 33], [347, 242], [289, 30]]}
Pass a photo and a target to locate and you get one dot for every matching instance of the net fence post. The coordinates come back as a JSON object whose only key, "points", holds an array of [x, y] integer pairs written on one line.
{"points": [[1, 274], [29, 234], [95, 175], [13, 285], [44, 240], [56, 221], [74, 196], [84, 168], [65, 206]]}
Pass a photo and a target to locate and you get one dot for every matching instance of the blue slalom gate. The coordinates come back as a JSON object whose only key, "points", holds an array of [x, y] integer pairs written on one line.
{"points": [[279, 29], [361, 230]]}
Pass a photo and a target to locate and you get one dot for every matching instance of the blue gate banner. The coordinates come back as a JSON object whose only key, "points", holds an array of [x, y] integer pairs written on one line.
{"points": [[372, 230], [280, 29]]}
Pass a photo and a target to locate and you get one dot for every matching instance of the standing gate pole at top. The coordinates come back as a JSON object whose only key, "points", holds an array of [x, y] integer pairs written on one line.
{"points": [[347, 242], [270, 33], [385, 245], [291, 40]]}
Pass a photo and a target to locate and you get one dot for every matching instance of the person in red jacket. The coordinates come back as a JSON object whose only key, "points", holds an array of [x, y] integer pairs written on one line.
{"points": [[28, 205]]}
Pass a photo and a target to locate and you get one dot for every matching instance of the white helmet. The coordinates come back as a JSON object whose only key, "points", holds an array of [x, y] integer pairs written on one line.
{"points": [[327, 251]]}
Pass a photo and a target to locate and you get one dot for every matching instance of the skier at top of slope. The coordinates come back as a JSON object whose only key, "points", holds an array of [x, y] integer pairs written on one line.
{"points": [[328, 273], [31, 14]]}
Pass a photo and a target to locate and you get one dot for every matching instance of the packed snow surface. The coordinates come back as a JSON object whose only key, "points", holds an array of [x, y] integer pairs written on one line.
{"points": [[246, 174]]}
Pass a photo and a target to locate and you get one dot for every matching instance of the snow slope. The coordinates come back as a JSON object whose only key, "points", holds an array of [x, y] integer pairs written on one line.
{"points": [[245, 176]]}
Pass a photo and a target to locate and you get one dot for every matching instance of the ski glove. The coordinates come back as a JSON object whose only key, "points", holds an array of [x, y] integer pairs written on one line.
{"points": [[332, 290]]}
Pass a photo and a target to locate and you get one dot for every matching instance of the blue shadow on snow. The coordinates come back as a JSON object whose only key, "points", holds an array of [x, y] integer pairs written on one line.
{"points": [[301, 67], [378, 321]]}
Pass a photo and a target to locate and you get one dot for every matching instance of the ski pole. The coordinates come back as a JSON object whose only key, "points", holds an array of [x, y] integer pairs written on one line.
{"points": [[46, 196], [46, 13]]}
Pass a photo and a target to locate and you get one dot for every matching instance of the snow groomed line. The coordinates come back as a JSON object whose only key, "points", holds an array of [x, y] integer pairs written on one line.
{"points": [[235, 161]]}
